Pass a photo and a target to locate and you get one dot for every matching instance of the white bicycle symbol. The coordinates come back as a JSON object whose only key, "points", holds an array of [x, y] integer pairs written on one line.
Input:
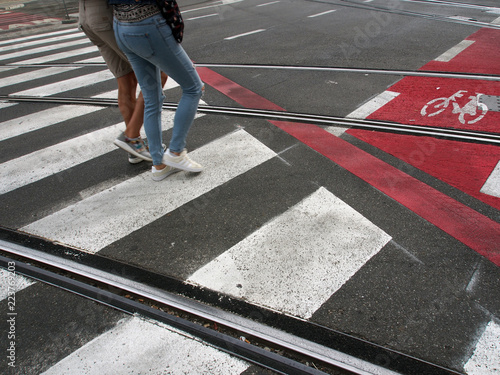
{"points": [[470, 108]]}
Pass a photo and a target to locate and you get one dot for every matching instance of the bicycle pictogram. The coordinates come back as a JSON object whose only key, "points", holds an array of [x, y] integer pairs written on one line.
{"points": [[471, 108]]}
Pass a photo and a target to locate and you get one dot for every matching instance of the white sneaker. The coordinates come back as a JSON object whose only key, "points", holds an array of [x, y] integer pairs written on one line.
{"points": [[181, 162], [160, 174]]}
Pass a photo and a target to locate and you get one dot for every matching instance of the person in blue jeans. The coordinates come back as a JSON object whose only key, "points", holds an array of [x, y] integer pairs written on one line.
{"points": [[145, 38]]}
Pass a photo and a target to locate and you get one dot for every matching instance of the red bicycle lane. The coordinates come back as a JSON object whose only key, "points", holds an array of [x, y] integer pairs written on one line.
{"points": [[470, 227], [471, 167]]}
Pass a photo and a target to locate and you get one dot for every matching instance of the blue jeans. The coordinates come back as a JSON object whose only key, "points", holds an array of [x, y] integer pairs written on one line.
{"points": [[151, 48]]}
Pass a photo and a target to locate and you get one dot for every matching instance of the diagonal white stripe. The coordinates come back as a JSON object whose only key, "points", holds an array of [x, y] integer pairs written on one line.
{"points": [[40, 164], [486, 357], [59, 38], [38, 36], [30, 76], [103, 218], [58, 56], [67, 85], [43, 49], [138, 346], [42, 119], [454, 51], [298, 260]]}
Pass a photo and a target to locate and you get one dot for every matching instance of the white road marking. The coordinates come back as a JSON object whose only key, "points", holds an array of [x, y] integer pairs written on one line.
{"points": [[454, 51], [205, 16], [43, 49], [492, 184], [496, 21], [12, 282], [365, 110], [266, 4], [59, 38], [486, 357], [145, 347], [41, 37], [298, 260], [67, 85], [42, 119], [33, 167], [245, 34], [58, 56], [35, 74], [6, 105], [100, 220], [321, 14]]}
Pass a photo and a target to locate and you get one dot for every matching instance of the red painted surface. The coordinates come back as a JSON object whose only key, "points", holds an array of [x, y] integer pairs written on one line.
{"points": [[483, 56], [9, 18], [465, 166], [468, 226]]}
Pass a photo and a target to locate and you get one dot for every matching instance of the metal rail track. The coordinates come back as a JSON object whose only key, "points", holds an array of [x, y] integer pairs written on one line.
{"points": [[80, 272], [439, 132], [402, 12], [396, 72]]}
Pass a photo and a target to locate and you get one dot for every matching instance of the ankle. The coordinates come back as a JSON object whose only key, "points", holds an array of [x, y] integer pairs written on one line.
{"points": [[159, 167]]}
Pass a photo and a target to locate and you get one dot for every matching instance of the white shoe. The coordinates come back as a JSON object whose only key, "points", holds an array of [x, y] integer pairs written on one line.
{"points": [[160, 174], [181, 162]]}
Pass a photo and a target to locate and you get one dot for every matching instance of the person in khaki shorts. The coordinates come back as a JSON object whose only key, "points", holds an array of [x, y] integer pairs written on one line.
{"points": [[96, 21]]}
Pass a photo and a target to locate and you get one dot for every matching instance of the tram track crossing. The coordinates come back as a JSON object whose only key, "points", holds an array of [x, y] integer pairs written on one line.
{"points": [[202, 205]]}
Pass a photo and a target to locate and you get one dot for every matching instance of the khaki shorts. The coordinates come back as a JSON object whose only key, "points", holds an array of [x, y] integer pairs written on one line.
{"points": [[96, 21]]}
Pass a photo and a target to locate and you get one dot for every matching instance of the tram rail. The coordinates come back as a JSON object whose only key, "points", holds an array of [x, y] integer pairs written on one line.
{"points": [[101, 279], [439, 132]]}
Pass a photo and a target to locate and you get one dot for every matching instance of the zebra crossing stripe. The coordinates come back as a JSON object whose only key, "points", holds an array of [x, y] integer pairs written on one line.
{"points": [[103, 218], [30, 76], [59, 38], [492, 184], [486, 359], [67, 85], [48, 161], [58, 56], [40, 37], [42, 119], [147, 348], [43, 49], [12, 282], [298, 260]]}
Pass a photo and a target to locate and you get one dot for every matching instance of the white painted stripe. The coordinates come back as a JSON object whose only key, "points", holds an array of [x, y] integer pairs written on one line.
{"points": [[30, 76], [59, 38], [492, 184], [321, 14], [38, 36], [58, 56], [299, 259], [42, 119], [266, 4], [92, 60], [245, 34], [373, 105], [67, 85], [454, 51], [496, 21], [33, 167], [43, 49], [138, 346], [200, 17], [103, 218], [486, 357], [365, 110], [6, 105], [6, 68], [10, 282]]}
